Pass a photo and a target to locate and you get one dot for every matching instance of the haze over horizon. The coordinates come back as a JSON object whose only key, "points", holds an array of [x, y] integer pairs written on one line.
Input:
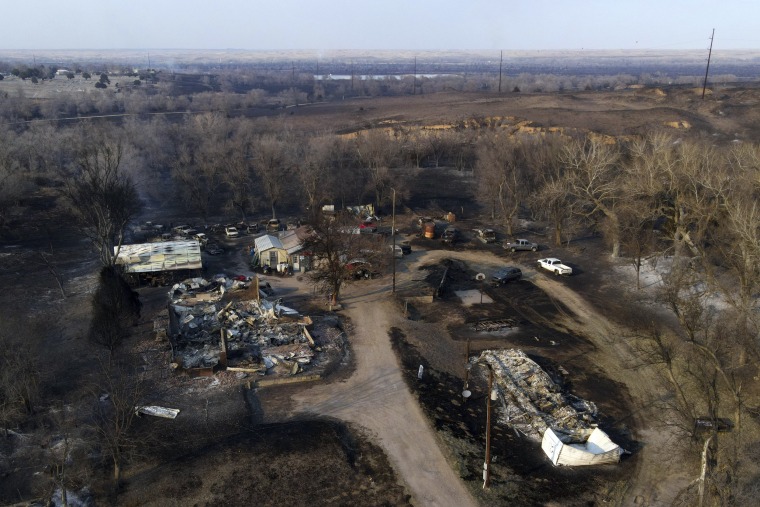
{"points": [[386, 25]]}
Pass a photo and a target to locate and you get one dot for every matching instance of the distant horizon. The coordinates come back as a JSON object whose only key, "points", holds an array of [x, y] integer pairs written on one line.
{"points": [[239, 25]]}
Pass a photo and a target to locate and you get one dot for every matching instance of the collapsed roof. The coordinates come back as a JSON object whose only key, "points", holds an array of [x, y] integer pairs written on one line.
{"points": [[533, 404]]}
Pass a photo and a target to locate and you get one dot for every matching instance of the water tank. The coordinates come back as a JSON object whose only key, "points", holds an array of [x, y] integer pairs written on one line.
{"points": [[429, 229]]}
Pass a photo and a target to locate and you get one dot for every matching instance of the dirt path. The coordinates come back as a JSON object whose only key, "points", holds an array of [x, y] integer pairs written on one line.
{"points": [[377, 398]]}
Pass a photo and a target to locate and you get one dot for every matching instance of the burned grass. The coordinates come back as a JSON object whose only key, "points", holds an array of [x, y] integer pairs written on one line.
{"points": [[313, 462]]}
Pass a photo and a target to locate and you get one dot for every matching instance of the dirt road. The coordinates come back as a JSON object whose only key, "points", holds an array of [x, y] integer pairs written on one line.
{"points": [[377, 398]]}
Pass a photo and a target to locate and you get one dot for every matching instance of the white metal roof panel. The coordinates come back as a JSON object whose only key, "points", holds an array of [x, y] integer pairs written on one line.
{"points": [[160, 256]]}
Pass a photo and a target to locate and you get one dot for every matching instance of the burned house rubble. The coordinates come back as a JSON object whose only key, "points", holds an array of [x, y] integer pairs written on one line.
{"points": [[211, 331], [533, 404], [247, 335]]}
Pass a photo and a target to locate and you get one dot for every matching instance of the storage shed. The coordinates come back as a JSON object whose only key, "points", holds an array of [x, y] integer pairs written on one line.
{"points": [[268, 251], [292, 241]]}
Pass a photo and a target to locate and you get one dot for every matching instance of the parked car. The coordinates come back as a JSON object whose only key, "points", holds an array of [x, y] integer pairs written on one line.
{"points": [[184, 230], [231, 231], [273, 225], [368, 226], [555, 266], [406, 247], [421, 221], [213, 249], [506, 274], [359, 268], [398, 252], [520, 244], [450, 235], [247, 228], [201, 238], [486, 235]]}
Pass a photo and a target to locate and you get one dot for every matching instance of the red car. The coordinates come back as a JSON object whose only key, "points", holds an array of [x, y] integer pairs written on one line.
{"points": [[368, 226], [359, 268]]}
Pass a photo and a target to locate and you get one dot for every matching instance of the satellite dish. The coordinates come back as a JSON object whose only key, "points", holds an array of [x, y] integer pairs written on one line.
{"points": [[480, 277], [466, 394]]}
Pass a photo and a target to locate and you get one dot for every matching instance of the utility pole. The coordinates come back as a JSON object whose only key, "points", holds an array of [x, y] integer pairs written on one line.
{"points": [[393, 233], [704, 86], [501, 59], [487, 464], [414, 80]]}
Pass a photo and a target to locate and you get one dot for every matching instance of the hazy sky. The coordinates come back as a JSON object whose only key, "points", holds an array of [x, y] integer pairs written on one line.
{"points": [[379, 24]]}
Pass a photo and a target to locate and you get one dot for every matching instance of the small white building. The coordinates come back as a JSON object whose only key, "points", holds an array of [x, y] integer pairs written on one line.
{"points": [[268, 252]]}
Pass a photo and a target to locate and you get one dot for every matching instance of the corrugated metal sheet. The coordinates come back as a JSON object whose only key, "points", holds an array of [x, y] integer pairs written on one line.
{"points": [[598, 449], [291, 242], [162, 256], [267, 242]]}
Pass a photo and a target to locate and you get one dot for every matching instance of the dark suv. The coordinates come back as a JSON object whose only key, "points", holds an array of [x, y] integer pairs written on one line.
{"points": [[505, 275], [450, 235]]}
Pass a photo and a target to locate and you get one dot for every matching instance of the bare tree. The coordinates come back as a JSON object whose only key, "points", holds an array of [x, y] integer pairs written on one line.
{"points": [[315, 175], [201, 158], [595, 180], [677, 178], [239, 175], [550, 199], [273, 165], [376, 151], [100, 197], [13, 181], [119, 392], [336, 244], [19, 368], [503, 175]]}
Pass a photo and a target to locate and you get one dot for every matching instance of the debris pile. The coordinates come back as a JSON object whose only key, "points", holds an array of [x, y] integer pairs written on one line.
{"points": [[249, 336], [531, 401], [213, 290]]}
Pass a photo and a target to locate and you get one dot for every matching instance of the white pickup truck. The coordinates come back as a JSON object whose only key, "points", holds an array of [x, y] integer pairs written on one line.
{"points": [[555, 266]]}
